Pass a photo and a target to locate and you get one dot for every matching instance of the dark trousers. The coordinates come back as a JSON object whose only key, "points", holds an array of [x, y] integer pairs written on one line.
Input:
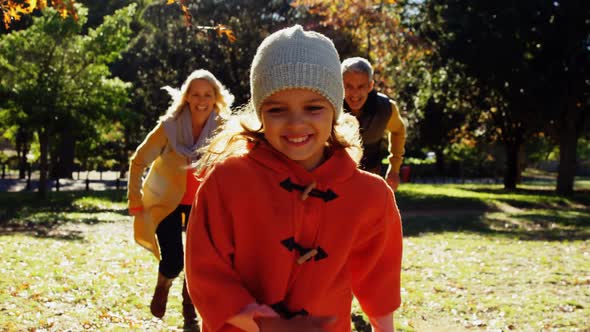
{"points": [[169, 234]]}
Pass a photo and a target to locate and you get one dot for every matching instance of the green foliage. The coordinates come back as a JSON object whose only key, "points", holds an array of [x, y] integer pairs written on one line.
{"points": [[166, 51], [97, 10], [584, 149], [4, 157], [479, 160], [62, 82], [433, 93], [517, 53], [104, 44], [418, 161]]}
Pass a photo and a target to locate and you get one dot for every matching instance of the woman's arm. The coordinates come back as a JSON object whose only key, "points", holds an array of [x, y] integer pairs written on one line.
{"points": [[144, 155]]}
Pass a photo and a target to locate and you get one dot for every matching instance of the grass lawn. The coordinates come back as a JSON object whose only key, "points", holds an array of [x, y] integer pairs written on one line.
{"points": [[476, 258]]}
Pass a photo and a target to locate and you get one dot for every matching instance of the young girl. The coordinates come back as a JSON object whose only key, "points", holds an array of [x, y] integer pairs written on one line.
{"points": [[162, 202], [285, 229]]}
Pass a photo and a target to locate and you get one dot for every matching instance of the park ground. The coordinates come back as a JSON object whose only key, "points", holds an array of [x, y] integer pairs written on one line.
{"points": [[476, 258]]}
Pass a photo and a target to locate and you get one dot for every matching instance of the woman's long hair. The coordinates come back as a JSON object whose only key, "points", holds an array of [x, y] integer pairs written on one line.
{"points": [[223, 98]]}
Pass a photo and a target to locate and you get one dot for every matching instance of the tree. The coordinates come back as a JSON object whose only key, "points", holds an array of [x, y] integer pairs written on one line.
{"points": [[57, 76], [97, 10], [166, 50], [14, 10], [440, 115], [378, 33], [502, 46], [563, 65]]}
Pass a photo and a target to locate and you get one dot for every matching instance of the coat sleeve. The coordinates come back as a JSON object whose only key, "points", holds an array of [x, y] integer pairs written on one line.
{"points": [[214, 286], [397, 139], [144, 155], [375, 262]]}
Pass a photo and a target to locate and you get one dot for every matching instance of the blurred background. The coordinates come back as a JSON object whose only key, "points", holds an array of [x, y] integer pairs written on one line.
{"points": [[496, 194], [488, 89]]}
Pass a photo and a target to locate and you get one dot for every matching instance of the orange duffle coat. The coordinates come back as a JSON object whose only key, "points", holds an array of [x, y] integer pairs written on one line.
{"points": [[250, 226]]}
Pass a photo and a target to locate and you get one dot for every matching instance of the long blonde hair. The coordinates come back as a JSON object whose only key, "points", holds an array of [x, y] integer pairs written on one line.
{"points": [[223, 98], [243, 128]]}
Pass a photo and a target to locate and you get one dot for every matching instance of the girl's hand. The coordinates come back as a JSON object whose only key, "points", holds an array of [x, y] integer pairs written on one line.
{"points": [[134, 211], [297, 324]]}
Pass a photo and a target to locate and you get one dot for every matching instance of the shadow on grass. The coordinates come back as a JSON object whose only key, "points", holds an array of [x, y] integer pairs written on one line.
{"points": [[416, 225], [550, 225], [528, 213], [57, 216], [55, 200], [533, 226], [415, 202], [43, 231], [50, 225], [536, 197]]}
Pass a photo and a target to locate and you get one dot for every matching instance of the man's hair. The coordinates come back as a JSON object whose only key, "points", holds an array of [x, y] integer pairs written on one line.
{"points": [[358, 65]]}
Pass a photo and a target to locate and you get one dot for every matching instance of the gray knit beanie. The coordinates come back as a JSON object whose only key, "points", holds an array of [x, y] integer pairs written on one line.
{"points": [[294, 58]]}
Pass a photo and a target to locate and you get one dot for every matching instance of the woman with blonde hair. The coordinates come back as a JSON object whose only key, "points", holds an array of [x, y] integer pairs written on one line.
{"points": [[161, 204]]}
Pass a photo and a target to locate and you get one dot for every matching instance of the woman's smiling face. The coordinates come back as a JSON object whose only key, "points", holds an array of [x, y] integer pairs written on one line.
{"points": [[201, 97]]}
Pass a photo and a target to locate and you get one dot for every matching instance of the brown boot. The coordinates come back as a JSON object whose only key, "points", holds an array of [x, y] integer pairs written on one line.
{"points": [[158, 304], [191, 323]]}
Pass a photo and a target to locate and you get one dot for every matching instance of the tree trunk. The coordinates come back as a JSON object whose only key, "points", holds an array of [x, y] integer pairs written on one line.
{"points": [[521, 163], [568, 143], [66, 151], [123, 162], [22, 148], [511, 172], [440, 161], [22, 165], [43, 147]]}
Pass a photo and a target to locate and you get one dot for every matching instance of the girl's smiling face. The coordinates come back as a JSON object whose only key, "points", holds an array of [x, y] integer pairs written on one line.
{"points": [[298, 123]]}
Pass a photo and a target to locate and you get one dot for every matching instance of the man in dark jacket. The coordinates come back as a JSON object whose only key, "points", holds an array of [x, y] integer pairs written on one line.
{"points": [[382, 128]]}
